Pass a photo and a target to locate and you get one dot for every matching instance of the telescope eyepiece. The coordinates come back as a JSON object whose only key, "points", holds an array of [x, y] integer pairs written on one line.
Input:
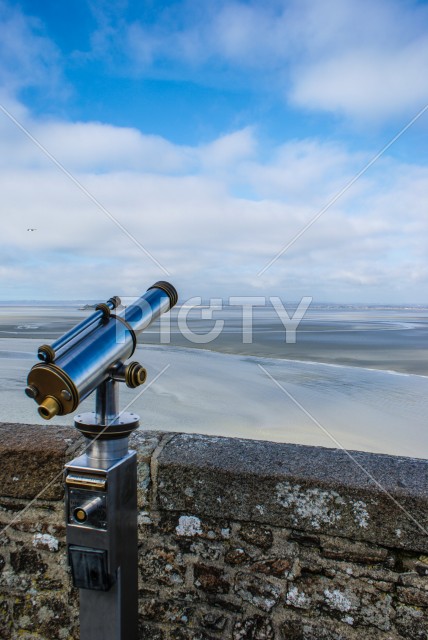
{"points": [[49, 408]]}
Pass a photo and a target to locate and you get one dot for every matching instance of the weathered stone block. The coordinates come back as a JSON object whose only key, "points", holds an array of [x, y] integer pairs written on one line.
{"points": [[413, 597], [210, 579], [305, 628], [151, 631], [27, 560], [333, 494], [375, 574], [421, 568], [214, 620], [228, 603], [260, 592], [255, 628], [413, 580], [206, 550], [343, 549], [279, 567], [144, 443], [311, 561], [170, 612], [162, 565], [412, 623], [257, 535], [350, 601], [32, 459], [304, 539], [237, 556]]}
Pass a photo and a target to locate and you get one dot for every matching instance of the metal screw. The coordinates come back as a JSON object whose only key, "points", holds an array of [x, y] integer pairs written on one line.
{"points": [[32, 391]]}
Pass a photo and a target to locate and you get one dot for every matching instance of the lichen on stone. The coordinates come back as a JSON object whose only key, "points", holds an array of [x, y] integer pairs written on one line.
{"points": [[45, 541], [188, 526], [316, 505], [298, 599], [361, 514], [337, 600]]}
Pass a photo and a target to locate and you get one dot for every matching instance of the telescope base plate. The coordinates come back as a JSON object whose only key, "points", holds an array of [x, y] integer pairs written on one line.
{"points": [[121, 427]]}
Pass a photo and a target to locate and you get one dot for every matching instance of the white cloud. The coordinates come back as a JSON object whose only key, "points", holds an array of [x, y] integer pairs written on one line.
{"points": [[98, 147], [309, 165], [102, 147], [215, 214], [365, 81], [28, 58], [358, 58], [180, 203], [227, 151]]}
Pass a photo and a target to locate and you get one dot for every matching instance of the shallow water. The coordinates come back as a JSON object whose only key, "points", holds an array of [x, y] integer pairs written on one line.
{"points": [[257, 390]]}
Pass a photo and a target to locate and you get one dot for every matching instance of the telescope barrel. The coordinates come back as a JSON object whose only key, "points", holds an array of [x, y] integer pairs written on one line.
{"points": [[86, 358], [48, 353]]}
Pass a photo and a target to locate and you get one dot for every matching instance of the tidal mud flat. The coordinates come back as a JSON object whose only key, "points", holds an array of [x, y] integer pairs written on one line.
{"points": [[305, 392]]}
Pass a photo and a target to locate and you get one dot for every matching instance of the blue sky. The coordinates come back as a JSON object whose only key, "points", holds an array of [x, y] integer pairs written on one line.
{"points": [[195, 141]]}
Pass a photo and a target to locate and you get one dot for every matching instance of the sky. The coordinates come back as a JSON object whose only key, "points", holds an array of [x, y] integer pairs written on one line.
{"points": [[254, 148]]}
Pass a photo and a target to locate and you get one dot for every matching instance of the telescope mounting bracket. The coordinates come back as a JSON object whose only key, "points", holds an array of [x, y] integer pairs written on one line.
{"points": [[107, 422]]}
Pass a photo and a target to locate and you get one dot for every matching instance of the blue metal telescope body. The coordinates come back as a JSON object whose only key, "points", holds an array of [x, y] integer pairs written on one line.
{"points": [[95, 351]]}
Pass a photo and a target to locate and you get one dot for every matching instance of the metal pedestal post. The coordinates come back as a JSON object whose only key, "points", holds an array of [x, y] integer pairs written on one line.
{"points": [[102, 540]]}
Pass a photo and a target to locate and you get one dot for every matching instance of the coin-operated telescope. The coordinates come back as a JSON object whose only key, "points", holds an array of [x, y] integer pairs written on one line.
{"points": [[101, 484]]}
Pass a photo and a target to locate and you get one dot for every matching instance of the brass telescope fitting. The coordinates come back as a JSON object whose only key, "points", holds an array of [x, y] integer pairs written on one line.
{"points": [[53, 390], [49, 408], [133, 374], [136, 374]]}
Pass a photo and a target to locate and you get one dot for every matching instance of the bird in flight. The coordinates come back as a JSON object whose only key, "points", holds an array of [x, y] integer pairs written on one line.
{"points": [[31, 229]]}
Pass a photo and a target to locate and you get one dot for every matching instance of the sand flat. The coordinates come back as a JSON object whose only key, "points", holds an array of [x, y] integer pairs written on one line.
{"points": [[228, 394]]}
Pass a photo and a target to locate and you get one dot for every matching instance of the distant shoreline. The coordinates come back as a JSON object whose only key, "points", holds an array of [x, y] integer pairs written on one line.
{"points": [[400, 369], [390, 341]]}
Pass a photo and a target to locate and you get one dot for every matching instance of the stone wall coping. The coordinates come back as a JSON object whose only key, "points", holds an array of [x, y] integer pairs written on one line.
{"points": [[364, 496], [330, 467], [32, 458], [370, 497]]}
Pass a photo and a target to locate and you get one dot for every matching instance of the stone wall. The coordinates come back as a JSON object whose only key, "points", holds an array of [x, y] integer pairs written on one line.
{"points": [[238, 540]]}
